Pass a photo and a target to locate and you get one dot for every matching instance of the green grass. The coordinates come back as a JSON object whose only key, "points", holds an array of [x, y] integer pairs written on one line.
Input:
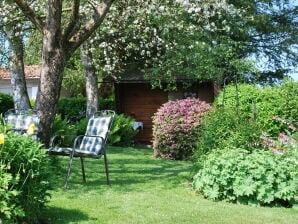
{"points": [[144, 190]]}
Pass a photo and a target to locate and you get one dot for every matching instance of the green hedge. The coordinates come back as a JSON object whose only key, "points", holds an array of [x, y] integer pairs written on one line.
{"points": [[6, 102], [74, 108], [263, 103]]}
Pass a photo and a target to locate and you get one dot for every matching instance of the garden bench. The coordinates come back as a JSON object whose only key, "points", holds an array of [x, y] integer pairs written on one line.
{"points": [[90, 145]]}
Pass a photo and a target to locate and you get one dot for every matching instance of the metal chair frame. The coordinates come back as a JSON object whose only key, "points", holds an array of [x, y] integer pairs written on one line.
{"points": [[78, 149]]}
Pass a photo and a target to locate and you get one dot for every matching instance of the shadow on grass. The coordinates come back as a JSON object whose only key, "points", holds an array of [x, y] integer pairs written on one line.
{"points": [[59, 215], [130, 170]]}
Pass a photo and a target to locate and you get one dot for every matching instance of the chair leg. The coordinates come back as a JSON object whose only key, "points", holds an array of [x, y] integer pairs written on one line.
{"points": [[106, 167], [68, 170], [83, 169]]}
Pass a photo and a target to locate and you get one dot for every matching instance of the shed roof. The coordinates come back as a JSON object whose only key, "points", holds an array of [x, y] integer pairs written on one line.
{"points": [[137, 76]]}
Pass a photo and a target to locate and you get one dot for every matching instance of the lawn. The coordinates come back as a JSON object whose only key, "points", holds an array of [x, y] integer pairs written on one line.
{"points": [[144, 190]]}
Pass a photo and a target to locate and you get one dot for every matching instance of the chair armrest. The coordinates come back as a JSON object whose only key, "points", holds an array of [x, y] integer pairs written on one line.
{"points": [[77, 141], [62, 140]]}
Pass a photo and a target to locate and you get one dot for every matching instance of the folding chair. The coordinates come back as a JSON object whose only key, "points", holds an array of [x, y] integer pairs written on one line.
{"points": [[24, 122], [90, 145]]}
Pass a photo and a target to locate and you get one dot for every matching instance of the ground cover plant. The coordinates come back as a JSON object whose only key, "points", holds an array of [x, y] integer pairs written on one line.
{"points": [[255, 178], [144, 190]]}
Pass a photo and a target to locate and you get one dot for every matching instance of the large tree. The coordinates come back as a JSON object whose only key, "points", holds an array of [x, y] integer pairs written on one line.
{"points": [[14, 35], [63, 32]]}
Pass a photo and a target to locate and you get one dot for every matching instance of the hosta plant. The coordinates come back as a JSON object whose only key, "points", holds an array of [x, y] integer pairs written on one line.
{"points": [[175, 128]]}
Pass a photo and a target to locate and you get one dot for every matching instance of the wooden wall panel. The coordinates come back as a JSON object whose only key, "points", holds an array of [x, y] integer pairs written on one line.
{"points": [[141, 102]]}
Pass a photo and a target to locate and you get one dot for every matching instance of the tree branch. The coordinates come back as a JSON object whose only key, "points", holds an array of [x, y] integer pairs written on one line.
{"points": [[74, 19], [35, 19], [87, 29]]}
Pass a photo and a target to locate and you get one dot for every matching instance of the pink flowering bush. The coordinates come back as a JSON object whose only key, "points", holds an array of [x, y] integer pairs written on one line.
{"points": [[286, 143], [175, 128]]}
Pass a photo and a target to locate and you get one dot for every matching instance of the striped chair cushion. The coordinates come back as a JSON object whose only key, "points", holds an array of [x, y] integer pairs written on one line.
{"points": [[22, 122], [98, 126], [95, 136], [91, 145]]}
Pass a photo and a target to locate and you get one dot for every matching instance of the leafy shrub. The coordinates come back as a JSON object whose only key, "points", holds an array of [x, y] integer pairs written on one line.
{"points": [[280, 101], [8, 207], [63, 126], [263, 103], [107, 104], [71, 108], [224, 128], [122, 132], [256, 178], [175, 128], [26, 170], [6, 102]]}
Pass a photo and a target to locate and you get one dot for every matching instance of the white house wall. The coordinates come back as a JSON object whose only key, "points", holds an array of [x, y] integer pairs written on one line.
{"points": [[32, 87]]}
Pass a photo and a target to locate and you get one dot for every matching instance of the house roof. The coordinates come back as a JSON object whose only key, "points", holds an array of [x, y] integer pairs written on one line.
{"points": [[31, 72]]}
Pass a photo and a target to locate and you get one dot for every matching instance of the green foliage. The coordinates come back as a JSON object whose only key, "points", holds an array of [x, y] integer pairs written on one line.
{"points": [[27, 174], [6, 102], [74, 76], [122, 132], [263, 103], [175, 128], [63, 126], [224, 128], [73, 109], [107, 104], [81, 126], [8, 207], [256, 178]]}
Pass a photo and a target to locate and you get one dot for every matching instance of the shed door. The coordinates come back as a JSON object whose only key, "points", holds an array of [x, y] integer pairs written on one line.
{"points": [[141, 102]]}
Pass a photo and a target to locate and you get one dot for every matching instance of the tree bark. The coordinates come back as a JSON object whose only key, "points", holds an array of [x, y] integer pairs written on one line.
{"points": [[53, 63], [58, 46], [17, 74], [91, 80]]}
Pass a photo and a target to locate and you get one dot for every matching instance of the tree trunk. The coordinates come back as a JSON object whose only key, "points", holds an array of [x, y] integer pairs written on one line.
{"points": [[91, 80], [53, 63], [58, 47], [17, 75]]}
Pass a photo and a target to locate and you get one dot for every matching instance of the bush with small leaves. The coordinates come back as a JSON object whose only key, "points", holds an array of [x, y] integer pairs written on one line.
{"points": [[225, 129], [175, 128], [262, 103]]}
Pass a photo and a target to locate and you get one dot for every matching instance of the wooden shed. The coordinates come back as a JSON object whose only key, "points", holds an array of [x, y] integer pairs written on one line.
{"points": [[135, 97]]}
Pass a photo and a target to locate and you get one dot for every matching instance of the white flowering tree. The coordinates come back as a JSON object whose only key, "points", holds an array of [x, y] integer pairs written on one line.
{"points": [[196, 38], [63, 31], [167, 39]]}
